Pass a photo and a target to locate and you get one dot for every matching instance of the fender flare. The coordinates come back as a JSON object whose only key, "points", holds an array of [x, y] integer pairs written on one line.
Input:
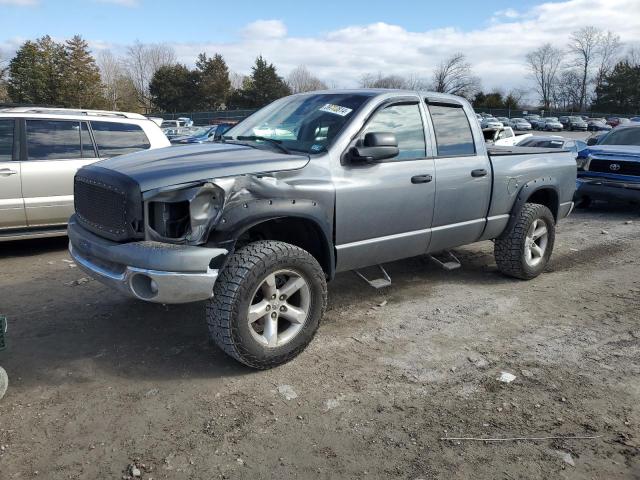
{"points": [[530, 188], [238, 219]]}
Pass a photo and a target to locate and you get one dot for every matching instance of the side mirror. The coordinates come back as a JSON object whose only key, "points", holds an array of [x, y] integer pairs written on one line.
{"points": [[592, 141], [376, 147]]}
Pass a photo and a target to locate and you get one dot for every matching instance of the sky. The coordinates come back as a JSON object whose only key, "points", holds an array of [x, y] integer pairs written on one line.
{"points": [[339, 41]]}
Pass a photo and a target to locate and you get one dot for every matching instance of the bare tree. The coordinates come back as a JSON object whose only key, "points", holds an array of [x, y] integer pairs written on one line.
{"points": [[583, 46], [543, 64], [142, 62], [377, 80], [454, 75], [633, 56], [302, 80], [4, 70], [237, 80], [609, 52], [568, 89], [111, 71]]}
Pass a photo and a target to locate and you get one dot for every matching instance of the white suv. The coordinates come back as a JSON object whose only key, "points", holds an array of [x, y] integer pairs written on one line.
{"points": [[40, 151]]}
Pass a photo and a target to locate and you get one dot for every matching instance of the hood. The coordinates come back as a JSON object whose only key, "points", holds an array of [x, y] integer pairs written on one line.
{"points": [[182, 164], [617, 152]]}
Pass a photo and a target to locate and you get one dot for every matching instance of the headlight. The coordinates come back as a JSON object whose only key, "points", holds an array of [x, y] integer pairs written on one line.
{"points": [[583, 161], [184, 215]]}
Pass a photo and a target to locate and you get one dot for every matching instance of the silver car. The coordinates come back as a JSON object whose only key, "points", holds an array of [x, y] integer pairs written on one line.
{"points": [[40, 151]]}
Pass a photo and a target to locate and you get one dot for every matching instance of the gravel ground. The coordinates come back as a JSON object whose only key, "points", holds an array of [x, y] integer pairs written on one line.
{"points": [[103, 386]]}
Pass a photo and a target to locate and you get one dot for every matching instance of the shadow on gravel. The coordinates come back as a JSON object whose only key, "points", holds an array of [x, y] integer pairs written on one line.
{"points": [[36, 246]]}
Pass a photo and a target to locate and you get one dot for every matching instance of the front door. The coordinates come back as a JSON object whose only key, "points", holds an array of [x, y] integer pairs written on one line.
{"points": [[56, 149], [384, 210], [464, 178], [11, 205]]}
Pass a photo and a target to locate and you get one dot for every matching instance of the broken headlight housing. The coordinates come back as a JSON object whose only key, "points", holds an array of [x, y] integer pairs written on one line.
{"points": [[582, 161], [183, 215]]}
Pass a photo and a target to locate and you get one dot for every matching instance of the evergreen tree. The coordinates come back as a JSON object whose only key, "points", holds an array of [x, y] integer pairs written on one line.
{"points": [[26, 83], [262, 87], [620, 90], [82, 86], [50, 65], [174, 88], [214, 84]]}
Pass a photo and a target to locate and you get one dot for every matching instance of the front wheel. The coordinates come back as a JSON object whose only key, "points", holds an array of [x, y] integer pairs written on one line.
{"points": [[267, 303], [524, 248]]}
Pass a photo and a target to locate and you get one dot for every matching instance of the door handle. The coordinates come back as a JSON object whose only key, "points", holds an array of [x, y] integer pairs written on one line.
{"points": [[421, 179], [6, 172], [480, 172]]}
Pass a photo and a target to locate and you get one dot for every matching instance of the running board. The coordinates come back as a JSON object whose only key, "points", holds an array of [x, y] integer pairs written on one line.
{"points": [[377, 283], [447, 261]]}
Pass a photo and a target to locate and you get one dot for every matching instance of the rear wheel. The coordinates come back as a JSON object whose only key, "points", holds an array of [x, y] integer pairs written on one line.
{"points": [[267, 303], [523, 250]]}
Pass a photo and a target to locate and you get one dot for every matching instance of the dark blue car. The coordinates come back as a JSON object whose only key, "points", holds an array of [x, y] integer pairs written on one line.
{"points": [[610, 169]]}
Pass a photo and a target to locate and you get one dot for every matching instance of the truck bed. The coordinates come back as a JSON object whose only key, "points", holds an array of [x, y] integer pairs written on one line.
{"points": [[497, 150]]}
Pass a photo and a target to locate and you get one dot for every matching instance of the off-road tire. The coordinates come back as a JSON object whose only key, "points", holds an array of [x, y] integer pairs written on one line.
{"points": [[509, 248], [4, 382], [227, 309]]}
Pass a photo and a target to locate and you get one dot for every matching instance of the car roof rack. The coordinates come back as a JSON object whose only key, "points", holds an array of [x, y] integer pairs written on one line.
{"points": [[73, 111]]}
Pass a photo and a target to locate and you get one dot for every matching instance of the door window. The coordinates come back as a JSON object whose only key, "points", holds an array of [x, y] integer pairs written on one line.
{"points": [[115, 139], [453, 131], [6, 139], [405, 122], [53, 139]]}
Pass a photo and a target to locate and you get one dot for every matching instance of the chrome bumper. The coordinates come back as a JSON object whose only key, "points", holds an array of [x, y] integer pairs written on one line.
{"points": [[152, 285], [149, 271]]}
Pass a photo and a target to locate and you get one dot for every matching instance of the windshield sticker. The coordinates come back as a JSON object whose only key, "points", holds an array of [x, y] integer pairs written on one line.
{"points": [[336, 109], [316, 147]]}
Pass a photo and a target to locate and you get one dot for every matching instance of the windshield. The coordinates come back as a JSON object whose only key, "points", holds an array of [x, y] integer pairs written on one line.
{"points": [[201, 131], [305, 123], [576, 119], [626, 136]]}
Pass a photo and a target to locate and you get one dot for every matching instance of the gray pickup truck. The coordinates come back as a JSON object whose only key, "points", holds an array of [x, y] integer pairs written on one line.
{"points": [[311, 185]]}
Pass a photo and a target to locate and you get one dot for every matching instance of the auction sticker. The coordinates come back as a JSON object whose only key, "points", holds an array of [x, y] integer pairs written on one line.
{"points": [[336, 109]]}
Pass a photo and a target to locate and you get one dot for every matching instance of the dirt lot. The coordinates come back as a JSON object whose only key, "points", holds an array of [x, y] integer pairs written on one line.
{"points": [[100, 381]]}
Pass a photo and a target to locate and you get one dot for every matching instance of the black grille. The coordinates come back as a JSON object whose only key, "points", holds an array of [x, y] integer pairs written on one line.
{"points": [[619, 168], [101, 206]]}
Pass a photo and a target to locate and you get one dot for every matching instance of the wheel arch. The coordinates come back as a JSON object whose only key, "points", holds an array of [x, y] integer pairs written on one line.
{"points": [[300, 229], [543, 191]]}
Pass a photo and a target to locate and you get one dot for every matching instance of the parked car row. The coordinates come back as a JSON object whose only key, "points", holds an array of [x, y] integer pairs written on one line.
{"points": [[554, 124]]}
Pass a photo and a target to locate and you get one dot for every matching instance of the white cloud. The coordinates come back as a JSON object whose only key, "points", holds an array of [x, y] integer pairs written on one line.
{"points": [[496, 50], [265, 29], [19, 3], [340, 57]]}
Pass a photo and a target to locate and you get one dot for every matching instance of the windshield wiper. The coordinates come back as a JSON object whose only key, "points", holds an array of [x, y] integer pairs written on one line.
{"points": [[272, 141]]}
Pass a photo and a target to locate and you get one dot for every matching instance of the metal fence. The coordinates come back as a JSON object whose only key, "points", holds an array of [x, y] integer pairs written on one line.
{"points": [[207, 118], [511, 113]]}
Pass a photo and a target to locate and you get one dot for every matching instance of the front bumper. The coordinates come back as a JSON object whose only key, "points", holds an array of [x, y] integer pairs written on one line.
{"points": [[597, 188], [151, 271]]}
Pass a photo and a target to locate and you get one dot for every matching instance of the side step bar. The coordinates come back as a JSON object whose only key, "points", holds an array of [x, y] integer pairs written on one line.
{"points": [[377, 283], [446, 260]]}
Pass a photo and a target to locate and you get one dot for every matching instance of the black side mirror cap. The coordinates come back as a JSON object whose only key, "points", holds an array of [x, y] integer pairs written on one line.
{"points": [[592, 141], [376, 147]]}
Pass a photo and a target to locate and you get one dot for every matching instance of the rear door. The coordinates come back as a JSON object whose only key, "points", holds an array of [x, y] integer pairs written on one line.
{"points": [[464, 177], [55, 150], [12, 213]]}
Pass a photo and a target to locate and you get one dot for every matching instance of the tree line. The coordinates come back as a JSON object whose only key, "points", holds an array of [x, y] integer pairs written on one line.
{"points": [[590, 73]]}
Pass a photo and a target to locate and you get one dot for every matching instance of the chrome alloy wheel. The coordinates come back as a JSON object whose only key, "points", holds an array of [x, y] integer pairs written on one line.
{"points": [[279, 308], [536, 242]]}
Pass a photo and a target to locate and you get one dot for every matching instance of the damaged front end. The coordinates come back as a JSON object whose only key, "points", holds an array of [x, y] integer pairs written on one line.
{"points": [[184, 214]]}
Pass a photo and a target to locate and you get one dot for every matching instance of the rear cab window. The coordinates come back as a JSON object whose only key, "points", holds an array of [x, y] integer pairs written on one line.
{"points": [[113, 139], [7, 126], [453, 130], [58, 140]]}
